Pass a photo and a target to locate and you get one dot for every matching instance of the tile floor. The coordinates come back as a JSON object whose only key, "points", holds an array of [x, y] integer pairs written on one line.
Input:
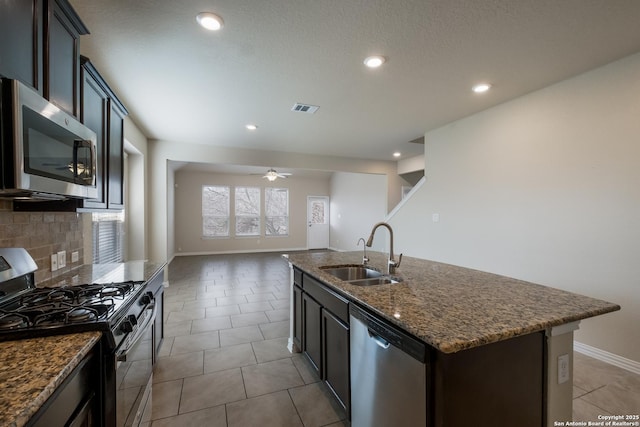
{"points": [[224, 361]]}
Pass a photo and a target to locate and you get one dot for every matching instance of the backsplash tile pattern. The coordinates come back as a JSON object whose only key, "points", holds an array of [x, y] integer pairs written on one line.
{"points": [[42, 234]]}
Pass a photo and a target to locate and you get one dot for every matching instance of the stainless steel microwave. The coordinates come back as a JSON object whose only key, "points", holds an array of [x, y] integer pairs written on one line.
{"points": [[45, 153]]}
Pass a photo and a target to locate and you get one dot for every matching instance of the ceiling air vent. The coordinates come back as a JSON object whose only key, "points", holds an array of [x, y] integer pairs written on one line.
{"points": [[304, 108]]}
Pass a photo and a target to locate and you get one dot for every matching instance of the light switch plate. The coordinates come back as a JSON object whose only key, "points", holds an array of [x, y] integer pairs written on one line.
{"points": [[75, 256]]}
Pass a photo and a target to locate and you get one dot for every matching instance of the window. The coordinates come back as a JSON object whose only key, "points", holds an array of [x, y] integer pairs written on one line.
{"points": [[247, 203], [215, 211], [108, 237], [276, 201]]}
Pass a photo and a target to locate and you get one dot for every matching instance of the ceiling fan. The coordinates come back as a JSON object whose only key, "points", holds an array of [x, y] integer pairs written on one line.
{"points": [[272, 175]]}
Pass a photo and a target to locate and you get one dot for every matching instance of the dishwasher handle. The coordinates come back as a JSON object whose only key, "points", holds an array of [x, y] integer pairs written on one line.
{"points": [[378, 339]]}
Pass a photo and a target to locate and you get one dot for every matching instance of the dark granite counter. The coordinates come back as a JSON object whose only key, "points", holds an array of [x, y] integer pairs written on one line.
{"points": [[453, 308], [32, 369]]}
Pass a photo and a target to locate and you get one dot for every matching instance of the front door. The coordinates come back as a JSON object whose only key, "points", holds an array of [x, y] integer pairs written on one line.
{"points": [[318, 222]]}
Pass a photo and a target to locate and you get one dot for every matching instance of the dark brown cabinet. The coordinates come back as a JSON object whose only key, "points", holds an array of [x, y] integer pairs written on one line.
{"points": [[335, 366], [321, 325], [94, 109], [103, 113], [41, 47], [115, 162], [480, 380], [311, 331], [21, 29], [62, 29]]}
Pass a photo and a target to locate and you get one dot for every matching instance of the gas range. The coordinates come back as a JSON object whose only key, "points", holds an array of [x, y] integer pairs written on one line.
{"points": [[129, 315], [27, 311]]}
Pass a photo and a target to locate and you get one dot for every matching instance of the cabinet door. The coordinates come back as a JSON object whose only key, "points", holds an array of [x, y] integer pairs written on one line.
{"points": [[94, 115], [297, 316], [312, 338], [335, 356], [62, 57], [20, 46], [116, 153]]}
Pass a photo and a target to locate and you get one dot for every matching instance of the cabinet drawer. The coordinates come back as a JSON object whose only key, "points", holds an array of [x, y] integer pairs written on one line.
{"points": [[330, 300]]}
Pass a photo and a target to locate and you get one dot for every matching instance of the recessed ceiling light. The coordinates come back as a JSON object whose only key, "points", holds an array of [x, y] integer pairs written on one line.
{"points": [[210, 21], [481, 87], [374, 61], [251, 126], [397, 154]]}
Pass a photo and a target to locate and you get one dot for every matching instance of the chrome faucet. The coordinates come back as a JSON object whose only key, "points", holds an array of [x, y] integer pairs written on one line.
{"points": [[365, 258], [392, 264]]}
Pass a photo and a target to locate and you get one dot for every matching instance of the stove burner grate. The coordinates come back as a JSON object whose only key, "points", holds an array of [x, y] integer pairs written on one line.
{"points": [[12, 320]]}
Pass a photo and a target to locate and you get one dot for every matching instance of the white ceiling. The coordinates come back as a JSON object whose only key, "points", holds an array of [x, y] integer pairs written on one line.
{"points": [[184, 84]]}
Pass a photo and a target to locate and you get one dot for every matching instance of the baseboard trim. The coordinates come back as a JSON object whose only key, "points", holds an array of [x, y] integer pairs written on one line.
{"points": [[607, 357], [248, 251]]}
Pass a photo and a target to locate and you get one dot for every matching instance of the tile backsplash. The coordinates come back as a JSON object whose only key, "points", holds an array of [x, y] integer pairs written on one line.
{"points": [[43, 234]]}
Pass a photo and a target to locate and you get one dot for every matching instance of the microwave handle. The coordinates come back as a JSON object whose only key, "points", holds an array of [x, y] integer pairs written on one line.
{"points": [[90, 176]]}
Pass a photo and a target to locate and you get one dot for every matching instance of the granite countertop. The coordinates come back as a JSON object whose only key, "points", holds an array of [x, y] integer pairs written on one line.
{"points": [[32, 369], [453, 308]]}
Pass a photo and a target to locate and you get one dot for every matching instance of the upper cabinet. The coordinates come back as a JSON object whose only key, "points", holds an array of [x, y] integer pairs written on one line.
{"points": [[102, 112], [62, 31], [41, 47], [21, 29]]}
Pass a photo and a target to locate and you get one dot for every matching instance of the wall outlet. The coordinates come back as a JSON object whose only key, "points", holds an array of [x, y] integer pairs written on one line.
{"points": [[563, 368], [435, 217], [62, 259], [54, 262], [75, 256]]}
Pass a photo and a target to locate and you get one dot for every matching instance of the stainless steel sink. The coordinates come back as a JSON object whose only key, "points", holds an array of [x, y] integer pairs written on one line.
{"points": [[373, 281], [349, 273], [359, 275]]}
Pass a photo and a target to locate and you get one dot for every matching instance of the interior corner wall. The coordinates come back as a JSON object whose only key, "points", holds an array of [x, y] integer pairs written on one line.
{"points": [[545, 188], [358, 201]]}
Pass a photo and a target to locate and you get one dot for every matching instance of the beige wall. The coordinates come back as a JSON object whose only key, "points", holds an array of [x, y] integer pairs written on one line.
{"points": [[136, 203], [358, 202], [545, 188], [188, 213]]}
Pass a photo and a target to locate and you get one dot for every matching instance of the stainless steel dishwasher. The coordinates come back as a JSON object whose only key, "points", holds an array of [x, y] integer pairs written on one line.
{"points": [[388, 374]]}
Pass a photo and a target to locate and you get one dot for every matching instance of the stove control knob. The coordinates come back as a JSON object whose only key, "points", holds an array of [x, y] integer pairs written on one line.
{"points": [[127, 324], [146, 299]]}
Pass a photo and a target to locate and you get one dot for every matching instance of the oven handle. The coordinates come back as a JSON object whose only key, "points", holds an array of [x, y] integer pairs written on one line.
{"points": [[122, 356]]}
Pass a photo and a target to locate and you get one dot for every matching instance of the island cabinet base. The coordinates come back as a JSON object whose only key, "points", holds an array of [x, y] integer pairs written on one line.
{"points": [[499, 384]]}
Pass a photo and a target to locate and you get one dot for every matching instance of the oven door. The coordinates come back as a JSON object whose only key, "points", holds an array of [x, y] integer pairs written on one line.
{"points": [[134, 368]]}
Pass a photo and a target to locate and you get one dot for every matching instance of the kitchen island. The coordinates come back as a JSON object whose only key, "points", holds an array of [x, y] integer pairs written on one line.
{"points": [[466, 318]]}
